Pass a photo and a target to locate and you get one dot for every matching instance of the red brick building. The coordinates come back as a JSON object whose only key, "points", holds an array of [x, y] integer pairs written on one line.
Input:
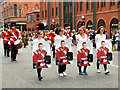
{"points": [[16, 12], [32, 19], [73, 13]]}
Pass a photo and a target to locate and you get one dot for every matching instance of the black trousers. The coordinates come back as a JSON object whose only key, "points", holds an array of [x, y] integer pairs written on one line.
{"points": [[105, 66], [80, 67], [61, 68], [6, 49], [53, 48], [13, 51], [39, 72]]}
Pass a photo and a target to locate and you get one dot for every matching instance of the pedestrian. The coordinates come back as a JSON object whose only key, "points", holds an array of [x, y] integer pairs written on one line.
{"points": [[61, 57], [82, 58], [102, 57]]}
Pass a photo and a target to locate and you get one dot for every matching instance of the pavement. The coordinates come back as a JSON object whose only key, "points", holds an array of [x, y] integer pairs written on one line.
{"points": [[20, 74]]}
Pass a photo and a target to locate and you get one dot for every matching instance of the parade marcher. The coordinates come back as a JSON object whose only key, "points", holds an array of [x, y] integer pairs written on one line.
{"points": [[5, 37], [39, 35], [60, 36], [38, 59], [61, 56], [100, 36], [25, 38], [82, 58], [102, 57], [81, 35], [14, 36]]}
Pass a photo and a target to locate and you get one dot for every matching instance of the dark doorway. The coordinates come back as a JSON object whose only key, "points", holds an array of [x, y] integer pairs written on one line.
{"points": [[68, 13]]}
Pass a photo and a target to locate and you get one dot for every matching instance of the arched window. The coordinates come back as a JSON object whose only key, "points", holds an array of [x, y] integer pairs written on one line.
{"points": [[89, 25], [101, 23], [15, 10], [113, 25]]}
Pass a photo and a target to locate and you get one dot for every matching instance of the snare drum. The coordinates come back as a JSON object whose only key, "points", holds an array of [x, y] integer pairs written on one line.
{"points": [[18, 44]]}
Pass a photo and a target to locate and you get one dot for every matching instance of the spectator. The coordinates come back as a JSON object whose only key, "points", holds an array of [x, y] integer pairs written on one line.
{"points": [[117, 39], [113, 40]]}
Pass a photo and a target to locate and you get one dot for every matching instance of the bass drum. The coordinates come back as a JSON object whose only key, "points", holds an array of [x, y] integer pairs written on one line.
{"points": [[18, 44]]}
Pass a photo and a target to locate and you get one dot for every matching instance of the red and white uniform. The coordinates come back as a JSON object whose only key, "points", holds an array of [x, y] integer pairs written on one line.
{"points": [[102, 54], [14, 35], [5, 36], [52, 36], [38, 57], [82, 56], [61, 53]]}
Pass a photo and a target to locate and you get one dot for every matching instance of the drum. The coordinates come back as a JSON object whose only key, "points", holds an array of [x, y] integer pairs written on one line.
{"points": [[18, 44]]}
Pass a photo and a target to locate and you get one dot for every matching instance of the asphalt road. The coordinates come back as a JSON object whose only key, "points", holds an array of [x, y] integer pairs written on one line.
{"points": [[20, 74]]}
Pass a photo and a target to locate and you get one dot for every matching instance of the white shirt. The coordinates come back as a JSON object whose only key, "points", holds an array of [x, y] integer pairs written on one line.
{"points": [[98, 37], [117, 36], [58, 37], [36, 40], [80, 38]]}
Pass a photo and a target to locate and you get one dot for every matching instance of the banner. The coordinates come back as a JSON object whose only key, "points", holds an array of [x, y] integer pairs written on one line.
{"points": [[88, 43]]}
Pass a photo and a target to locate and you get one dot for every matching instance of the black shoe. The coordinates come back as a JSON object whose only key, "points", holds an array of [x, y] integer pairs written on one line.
{"points": [[40, 78], [8, 56], [14, 59]]}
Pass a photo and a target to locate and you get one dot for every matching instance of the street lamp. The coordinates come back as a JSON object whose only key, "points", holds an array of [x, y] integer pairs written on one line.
{"points": [[53, 21]]}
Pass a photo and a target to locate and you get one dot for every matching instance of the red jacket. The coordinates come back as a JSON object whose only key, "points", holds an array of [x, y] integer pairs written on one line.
{"points": [[82, 56], [5, 36], [61, 53], [102, 54], [38, 58], [14, 35], [52, 36]]}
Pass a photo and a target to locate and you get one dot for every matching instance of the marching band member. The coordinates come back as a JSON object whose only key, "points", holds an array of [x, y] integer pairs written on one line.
{"points": [[61, 54], [102, 57], [52, 36], [38, 59], [25, 38], [14, 35], [5, 36], [82, 58]]}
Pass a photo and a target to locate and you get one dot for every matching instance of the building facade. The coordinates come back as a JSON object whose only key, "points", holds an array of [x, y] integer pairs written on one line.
{"points": [[32, 19], [73, 13], [16, 12]]}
